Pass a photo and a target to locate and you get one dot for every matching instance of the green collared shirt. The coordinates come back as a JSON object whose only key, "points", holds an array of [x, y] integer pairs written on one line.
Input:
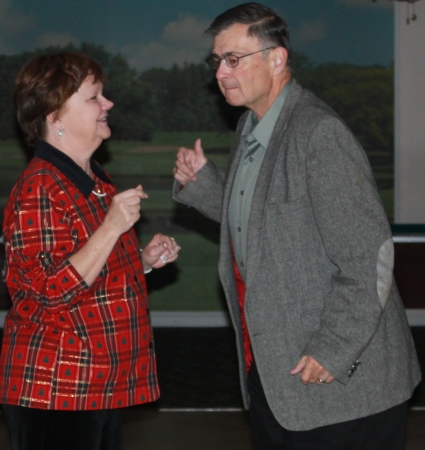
{"points": [[254, 141]]}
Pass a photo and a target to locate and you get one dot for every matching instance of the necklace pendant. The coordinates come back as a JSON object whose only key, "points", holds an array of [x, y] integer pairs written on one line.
{"points": [[99, 193]]}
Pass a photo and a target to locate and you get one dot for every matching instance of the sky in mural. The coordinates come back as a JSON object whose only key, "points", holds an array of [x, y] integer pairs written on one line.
{"points": [[159, 33]]}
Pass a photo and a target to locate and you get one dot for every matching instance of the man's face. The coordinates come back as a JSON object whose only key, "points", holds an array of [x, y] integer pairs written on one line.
{"points": [[248, 84]]}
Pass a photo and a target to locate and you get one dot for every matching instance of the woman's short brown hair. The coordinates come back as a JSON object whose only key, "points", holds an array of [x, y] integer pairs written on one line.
{"points": [[45, 83]]}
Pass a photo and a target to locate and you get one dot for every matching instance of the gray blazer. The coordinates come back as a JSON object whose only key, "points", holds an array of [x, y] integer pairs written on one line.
{"points": [[319, 277]]}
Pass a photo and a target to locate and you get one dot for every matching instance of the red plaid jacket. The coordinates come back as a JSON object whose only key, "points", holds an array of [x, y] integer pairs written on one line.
{"points": [[68, 346]]}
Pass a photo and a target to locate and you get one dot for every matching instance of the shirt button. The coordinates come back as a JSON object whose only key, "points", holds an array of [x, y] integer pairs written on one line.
{"points": [[239, 229], [242, 264], [242, 192], [251, 159]]}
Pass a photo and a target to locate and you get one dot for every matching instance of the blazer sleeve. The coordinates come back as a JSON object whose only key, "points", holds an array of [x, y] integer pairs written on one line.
{"points": [[205, 194], [357, 239]]}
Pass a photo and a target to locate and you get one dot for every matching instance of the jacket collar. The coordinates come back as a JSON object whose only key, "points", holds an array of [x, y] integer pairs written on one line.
{"points": [[83, 182]]}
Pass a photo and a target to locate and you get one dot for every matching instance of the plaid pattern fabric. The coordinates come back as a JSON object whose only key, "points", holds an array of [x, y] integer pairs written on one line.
{"points": [[68, 346]]}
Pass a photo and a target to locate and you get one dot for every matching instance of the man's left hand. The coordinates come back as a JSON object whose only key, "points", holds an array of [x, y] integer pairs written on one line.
{"points": [[311, 371]]}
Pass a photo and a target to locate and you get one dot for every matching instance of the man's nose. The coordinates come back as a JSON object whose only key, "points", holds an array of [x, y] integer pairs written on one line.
{"points": [[222, 70]]}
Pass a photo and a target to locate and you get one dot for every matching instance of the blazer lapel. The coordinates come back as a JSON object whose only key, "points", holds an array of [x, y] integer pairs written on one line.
{"points": [[265, 178]]}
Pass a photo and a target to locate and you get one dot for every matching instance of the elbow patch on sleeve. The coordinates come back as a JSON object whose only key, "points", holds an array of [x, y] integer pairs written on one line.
{"points": [[384, 270]]}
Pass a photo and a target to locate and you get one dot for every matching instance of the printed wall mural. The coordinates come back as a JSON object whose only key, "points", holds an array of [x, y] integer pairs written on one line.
{"points": [[165, 97]]}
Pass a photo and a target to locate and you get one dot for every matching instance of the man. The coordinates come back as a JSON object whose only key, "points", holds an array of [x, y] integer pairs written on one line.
{"points": [[306, 255]]}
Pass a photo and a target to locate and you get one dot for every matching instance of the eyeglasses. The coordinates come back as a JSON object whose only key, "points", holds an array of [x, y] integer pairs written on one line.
{"points": [[231, 61]]}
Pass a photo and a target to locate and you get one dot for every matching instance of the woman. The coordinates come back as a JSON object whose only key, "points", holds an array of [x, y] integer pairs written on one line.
{"points": [[77, 344]]}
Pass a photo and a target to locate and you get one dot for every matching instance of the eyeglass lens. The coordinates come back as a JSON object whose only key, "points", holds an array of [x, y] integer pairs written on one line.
{"points": [[230, 60]]}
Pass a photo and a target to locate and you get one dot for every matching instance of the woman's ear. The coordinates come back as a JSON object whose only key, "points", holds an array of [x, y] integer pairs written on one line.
{"points": [[52, 118], [54, 124]]}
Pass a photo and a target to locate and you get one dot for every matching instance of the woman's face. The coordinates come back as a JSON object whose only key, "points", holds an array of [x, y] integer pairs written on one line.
{"points": [[84, 117]]}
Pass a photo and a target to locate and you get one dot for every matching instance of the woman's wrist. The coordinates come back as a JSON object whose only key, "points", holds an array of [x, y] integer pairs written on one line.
{"points": [[147, 268]]}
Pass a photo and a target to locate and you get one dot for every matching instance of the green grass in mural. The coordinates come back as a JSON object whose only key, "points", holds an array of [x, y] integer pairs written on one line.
{"points": [[12, 156], [209, 139], [159, 200], [387, 196], [157, 158], [195, 285], [190, 284]]}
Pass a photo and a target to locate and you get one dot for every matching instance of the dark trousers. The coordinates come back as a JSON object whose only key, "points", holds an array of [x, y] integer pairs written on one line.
{"points": [[383, 431], [38, 429]]}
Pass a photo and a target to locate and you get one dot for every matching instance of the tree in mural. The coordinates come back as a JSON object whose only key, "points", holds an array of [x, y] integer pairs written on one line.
{"points": [[187, 98], [131, 117], [362, 95]]}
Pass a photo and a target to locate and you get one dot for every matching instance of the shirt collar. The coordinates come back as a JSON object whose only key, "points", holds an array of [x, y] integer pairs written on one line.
{"points": [[83, 182], [262, 130]]}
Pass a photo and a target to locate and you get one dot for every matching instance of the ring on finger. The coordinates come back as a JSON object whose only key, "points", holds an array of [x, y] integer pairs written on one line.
{"points": [[321, 381]]}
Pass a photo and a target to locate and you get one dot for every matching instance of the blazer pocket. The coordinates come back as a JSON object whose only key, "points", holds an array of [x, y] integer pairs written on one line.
{"points": [[287, 208]]}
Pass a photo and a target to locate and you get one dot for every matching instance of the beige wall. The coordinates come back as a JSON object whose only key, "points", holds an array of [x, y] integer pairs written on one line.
{"points": [[409, 115]]}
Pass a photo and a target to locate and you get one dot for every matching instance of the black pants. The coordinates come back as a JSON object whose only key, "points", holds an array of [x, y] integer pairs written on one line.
{"points": [[37, 429], [383, 431]]}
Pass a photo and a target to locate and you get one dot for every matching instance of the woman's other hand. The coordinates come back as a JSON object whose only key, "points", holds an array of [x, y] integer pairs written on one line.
{"points": [[160, 251]]}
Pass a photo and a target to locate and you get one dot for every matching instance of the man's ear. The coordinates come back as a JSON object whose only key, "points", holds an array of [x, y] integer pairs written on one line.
{"points": [[280, 59]]}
